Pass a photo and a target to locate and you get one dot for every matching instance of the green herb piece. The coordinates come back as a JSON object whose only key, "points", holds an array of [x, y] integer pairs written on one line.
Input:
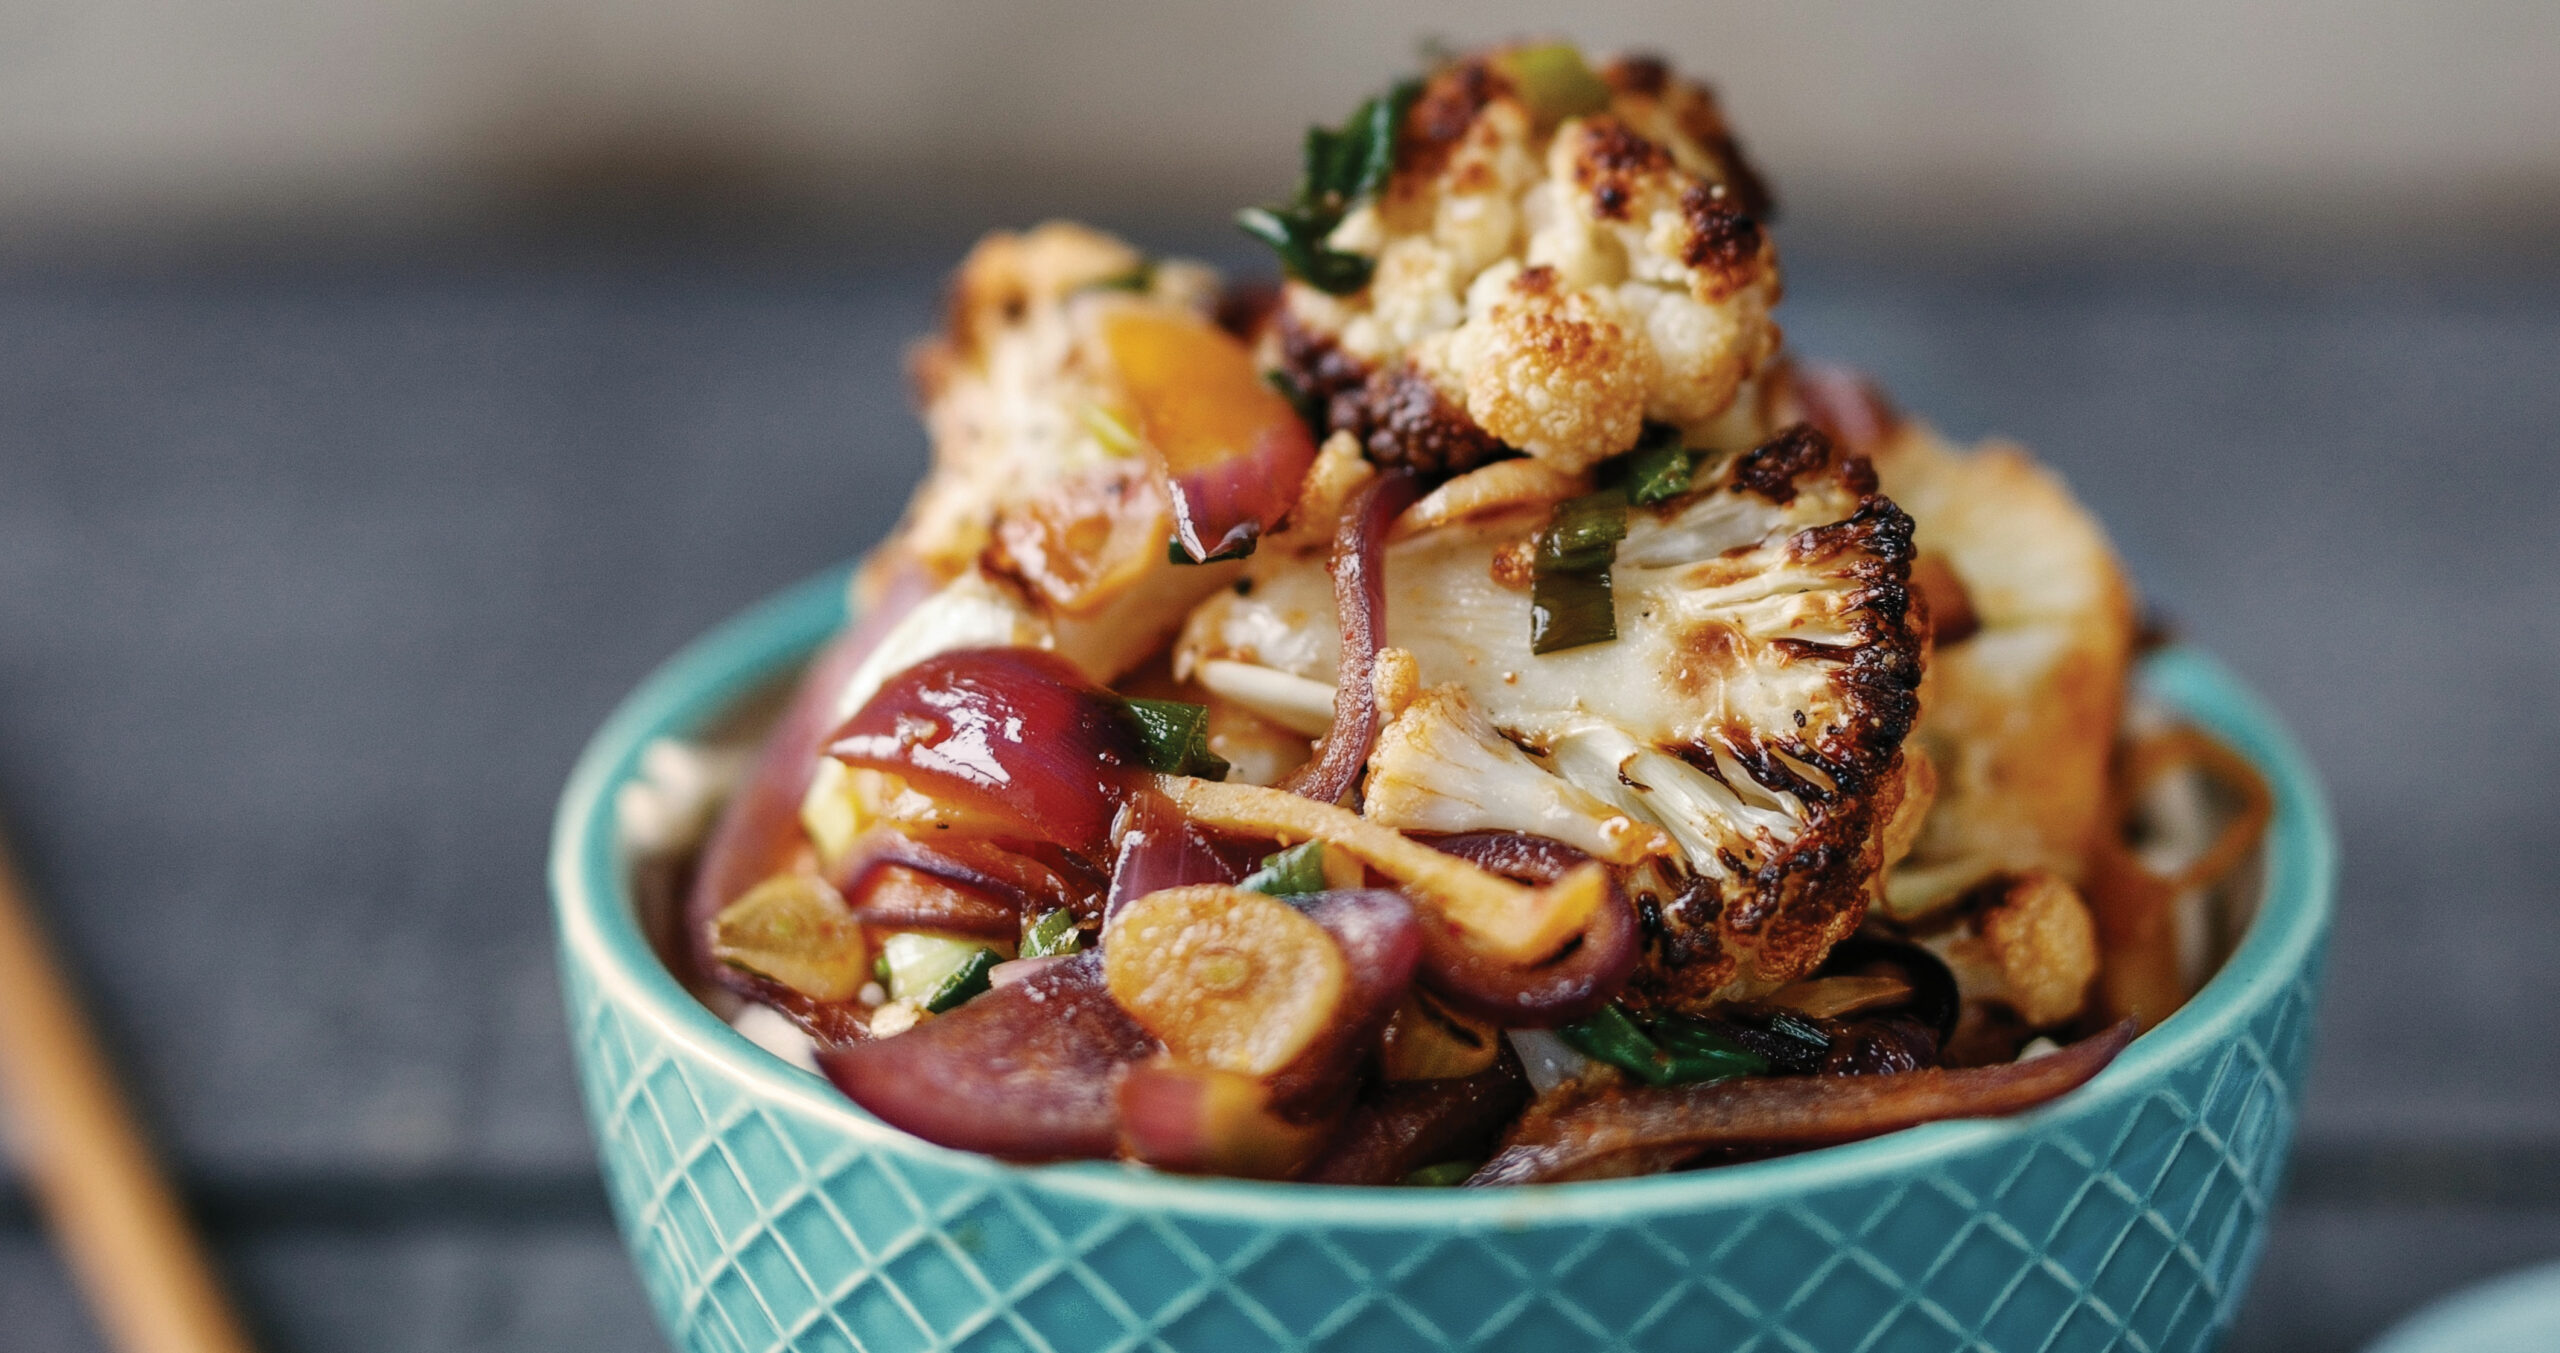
{"points": [[1294, 872], [1583, 534], [968, 982], [1612, 1036], [1569, 610], [1050, 934], [880, 968], [1139, 278], [1343, 165], [1555, 81], [1673, 1050], [936, 972], [1658, 469], [1570, 601], [1448, 1174], [1175, 738], [1176, 554]]}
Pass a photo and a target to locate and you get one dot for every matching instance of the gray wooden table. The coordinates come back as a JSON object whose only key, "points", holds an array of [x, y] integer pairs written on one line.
{"points": [[313, 576]]}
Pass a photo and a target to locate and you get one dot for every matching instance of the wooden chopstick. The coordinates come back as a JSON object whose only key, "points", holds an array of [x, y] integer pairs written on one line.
{"points": [[86, 1162]]}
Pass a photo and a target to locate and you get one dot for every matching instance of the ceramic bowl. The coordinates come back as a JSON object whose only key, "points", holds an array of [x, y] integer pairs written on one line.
{"points": [[767, 1212]]}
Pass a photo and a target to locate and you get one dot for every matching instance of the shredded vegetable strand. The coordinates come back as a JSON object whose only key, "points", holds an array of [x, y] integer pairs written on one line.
{"points": [[1505, 919]]}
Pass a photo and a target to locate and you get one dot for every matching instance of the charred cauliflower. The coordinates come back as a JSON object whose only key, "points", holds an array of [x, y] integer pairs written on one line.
{"points": [[1535, 256], [2019, 713], [1750, 712]]}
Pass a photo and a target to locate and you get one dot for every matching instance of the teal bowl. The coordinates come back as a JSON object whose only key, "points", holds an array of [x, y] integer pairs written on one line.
{"points": [[767, 1212]]}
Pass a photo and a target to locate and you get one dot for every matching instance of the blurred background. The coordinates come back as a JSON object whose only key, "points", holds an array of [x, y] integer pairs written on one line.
{"points": [[386, 386]]}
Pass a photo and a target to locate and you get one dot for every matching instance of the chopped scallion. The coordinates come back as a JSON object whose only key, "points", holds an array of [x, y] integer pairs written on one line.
{"points": [[1343, 165], [1659, 469], [1555, 81], [1568, 610], [936, 972], [1050, 934], [969, 981], [1674, 1050], [1175, 737], [1291, 873], [1448, 1174]]}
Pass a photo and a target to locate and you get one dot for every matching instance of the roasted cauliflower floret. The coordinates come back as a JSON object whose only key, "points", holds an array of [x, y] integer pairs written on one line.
{"points": [[1012, 388], [1441, 766], [1557, 258], [2018, 714], [1039, 472], [2025, 944], [1752, 707]]}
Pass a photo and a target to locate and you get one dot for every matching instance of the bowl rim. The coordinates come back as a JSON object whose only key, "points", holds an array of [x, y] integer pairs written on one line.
{"points": [[599, 933]]}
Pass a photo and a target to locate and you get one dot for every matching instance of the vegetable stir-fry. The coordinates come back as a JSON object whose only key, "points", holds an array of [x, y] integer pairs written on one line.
{"points": [[1483, 716]]}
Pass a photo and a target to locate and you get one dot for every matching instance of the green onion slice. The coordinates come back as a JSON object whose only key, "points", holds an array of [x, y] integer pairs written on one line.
{"points": [[1448, 1174], [1343, 165], [1658, 469], [1674, 1050], [968, 981], [1291, 873], [1052, 933], [1175, 737]]}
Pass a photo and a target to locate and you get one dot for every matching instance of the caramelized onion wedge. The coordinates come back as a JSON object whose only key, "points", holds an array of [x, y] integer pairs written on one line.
{"points": [[1588, 973], [1234, 449], [758, 834], [1023, 1072], [1638, 1131], [1016, 735], [1397, 1129], [1503, 919], [1000, 886], [1158, 848], [1360, 605], [1200, 1120]]}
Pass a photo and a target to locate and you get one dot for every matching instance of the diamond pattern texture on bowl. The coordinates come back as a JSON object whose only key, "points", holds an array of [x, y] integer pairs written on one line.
{"points": [[760, 1225]]}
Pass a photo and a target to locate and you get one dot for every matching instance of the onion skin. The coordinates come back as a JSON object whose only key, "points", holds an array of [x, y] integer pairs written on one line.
{"points": [[1016, 735], [1398, 1128], [1566, 988], [895, 897], [758, 833], [1640, 1131], [1360, 602], [1005, 886], [1024, 1072]]}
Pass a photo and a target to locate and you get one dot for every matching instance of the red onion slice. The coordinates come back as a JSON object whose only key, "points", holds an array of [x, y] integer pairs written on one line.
{"points": [[1023, 1072], [1576, 982], [1400, 1127], [1159, 848], [1360, 603], [1642, 1130], [1196, 1120], [1006, 885], [758, 834], [1234, 450], [1015, 736], [1381, 939]]}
